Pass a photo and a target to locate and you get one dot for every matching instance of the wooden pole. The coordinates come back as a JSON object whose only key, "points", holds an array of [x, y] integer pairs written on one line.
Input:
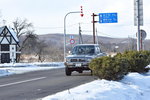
{"points": [[93, 28]]}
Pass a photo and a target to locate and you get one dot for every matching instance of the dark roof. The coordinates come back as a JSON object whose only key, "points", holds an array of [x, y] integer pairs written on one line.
{"points": [[12, 32]]}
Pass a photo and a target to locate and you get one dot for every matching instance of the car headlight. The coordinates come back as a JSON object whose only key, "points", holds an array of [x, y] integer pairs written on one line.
{"points": [[67, 60], [89, 59]]}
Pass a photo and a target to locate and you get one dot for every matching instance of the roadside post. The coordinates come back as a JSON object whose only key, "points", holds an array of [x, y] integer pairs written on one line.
{"points": [[72, 41], [138, 21]]}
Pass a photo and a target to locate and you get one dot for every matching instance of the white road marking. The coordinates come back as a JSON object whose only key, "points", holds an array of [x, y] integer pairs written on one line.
{"points": [[34, 79]]}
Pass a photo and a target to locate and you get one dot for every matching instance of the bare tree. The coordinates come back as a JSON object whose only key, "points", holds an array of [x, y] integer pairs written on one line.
{"points": [[29, 41], [24, 28], [40, 51], [132, 44]]}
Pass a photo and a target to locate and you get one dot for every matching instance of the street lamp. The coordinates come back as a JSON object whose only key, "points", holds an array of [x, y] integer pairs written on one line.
{"points": [[65, 31]]}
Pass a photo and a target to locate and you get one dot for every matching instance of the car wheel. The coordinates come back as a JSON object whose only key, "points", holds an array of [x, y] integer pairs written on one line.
{"points": [[80, 71], [91, 72], [68, 72]]}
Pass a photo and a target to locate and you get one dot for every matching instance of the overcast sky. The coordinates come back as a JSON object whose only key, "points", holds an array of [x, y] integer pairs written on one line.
{"points": [[47, 16]]}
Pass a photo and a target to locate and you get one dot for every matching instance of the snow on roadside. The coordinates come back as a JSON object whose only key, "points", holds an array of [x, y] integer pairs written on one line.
{"points": [[4, 72], [31, 64], [19, 68], [134, 86]]}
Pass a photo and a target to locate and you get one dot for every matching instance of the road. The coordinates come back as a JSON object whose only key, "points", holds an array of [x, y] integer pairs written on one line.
{"points": [[36, 85]]}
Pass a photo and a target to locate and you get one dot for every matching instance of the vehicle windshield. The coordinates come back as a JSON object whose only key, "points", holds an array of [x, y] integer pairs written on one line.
{"points": [[83, 50]]}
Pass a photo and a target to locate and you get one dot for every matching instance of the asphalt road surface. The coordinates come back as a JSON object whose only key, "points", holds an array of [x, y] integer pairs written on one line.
{"points": [[36, 85]]}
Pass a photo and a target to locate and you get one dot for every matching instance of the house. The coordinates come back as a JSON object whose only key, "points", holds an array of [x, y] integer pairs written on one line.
{"points": [[9, 44]]}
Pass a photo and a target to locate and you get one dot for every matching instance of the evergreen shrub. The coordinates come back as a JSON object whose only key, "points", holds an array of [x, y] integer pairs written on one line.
{"points": [[114, 68], [110, 68], [138, 60]]}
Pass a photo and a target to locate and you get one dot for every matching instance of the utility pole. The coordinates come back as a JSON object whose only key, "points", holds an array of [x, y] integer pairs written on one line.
{"points": [[93, 15], [138, 21], [96, 37], [138, 27], [80, 35]]}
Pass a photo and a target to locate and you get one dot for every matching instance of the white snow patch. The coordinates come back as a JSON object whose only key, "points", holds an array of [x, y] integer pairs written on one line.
{"points": [[4, 72], [19, 68], [134, 86]]}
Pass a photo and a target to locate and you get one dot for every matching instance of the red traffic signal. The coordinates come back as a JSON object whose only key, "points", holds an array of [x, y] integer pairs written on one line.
{"points": [[82, 12], [81, 15]]}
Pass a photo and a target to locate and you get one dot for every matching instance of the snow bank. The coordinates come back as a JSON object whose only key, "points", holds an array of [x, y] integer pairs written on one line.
{"points": [[133, 87], [44, 64], [19, 68], [4, 72]]}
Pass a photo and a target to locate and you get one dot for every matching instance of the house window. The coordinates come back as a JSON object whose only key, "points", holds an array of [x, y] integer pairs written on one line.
{"points": [[4, 47]]}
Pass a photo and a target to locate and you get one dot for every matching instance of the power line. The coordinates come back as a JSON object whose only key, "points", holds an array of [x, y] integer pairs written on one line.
{"points": [[48, 27], [71, 25], [97, 32]]}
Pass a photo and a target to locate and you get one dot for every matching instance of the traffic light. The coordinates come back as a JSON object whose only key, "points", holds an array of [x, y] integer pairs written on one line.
{"points": [[81, 12]]}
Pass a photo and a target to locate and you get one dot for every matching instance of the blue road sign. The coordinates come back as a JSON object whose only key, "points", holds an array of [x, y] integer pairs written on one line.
{"points": [[71, 36], [108, 18]]}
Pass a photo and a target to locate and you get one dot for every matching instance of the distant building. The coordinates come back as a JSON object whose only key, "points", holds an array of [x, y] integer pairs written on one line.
{"points": [[8, 45]]}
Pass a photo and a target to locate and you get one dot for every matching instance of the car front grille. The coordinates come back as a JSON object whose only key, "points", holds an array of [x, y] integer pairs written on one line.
{"points": [[77, 60], [74, 60]]}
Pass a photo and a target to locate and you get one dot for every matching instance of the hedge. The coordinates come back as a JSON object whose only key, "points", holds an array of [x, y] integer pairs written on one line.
{"points": [[114, 68]]}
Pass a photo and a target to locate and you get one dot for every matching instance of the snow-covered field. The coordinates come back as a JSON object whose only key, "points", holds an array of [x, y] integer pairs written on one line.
{"points": [[134, 86]]}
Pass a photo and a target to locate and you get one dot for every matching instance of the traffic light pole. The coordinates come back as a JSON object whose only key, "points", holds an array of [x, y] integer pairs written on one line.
{"points": [[65, 31]]}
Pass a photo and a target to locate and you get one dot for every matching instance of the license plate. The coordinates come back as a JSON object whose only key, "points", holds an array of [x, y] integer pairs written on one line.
{"points": [[78, 65]]}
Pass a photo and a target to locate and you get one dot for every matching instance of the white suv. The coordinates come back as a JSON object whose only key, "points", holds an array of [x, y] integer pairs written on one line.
{"points": [[81, 56]]}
